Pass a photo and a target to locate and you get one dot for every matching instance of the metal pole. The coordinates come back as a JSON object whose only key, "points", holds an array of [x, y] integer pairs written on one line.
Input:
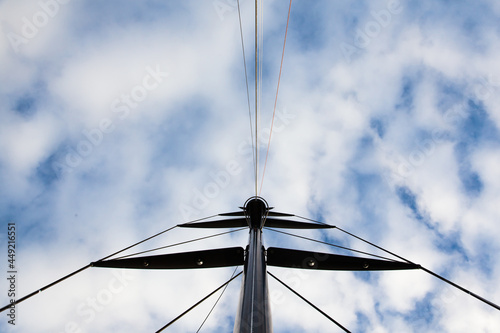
{"points": [[254, 313]]}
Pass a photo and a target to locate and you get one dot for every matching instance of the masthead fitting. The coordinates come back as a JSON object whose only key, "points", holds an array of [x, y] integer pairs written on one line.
{"points": [[256, 209]]}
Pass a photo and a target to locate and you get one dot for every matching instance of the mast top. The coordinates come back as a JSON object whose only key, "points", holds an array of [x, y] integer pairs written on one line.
{"points": [[256, 209]]}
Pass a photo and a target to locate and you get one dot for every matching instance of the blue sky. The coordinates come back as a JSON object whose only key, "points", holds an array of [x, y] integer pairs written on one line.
{"points": [[121, 119]]}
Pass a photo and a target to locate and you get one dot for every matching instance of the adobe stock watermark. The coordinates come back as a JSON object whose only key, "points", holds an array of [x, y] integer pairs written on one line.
{"points": [[120, 107], [426, 148], [88, 310], [372, 29], [32, 26], [294, 276], [12, 272], [224, 7], [447, 296], [282, 120], [220, 179]]}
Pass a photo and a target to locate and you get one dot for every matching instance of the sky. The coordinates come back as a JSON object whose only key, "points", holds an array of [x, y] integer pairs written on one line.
{"points": [[120, 119]]}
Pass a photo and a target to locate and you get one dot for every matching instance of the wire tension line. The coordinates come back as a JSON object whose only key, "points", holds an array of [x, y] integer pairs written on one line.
{"points": [[36, 292], [311, 304], [246, 83], [217, 301], [276, 98], [199, 302]]}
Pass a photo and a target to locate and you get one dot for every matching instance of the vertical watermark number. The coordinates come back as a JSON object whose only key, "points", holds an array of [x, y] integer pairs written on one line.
{"points": [[11, 271]]}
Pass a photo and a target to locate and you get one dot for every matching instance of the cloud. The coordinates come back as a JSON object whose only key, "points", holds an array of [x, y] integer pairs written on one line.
{"points": [[120, 120]]}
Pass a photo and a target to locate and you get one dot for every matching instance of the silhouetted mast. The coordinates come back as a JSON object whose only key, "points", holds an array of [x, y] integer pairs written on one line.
{"points": [[254, 314]]}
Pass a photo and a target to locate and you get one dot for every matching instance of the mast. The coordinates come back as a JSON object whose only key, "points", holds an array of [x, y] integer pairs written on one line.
{"points": [[254, 313]]}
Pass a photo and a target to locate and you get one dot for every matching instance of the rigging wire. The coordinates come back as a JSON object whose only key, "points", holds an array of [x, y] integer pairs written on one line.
{"points": [[203, 218], [75, 272], [256, 101], [199, 302], [330, 244], [311, 220], [43, 288], [180, 243], [246, 82], [217, 301], [451, 283], [261, 62], [429, 272], [311, 304], [276, 98], [36, 292], [259, 47]]}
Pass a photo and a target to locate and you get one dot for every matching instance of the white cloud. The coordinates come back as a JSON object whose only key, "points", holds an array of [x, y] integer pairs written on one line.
{"points": [[356, 144]]}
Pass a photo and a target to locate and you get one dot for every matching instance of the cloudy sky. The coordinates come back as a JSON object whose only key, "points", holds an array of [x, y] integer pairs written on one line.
{"points": [[120, 119]]}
